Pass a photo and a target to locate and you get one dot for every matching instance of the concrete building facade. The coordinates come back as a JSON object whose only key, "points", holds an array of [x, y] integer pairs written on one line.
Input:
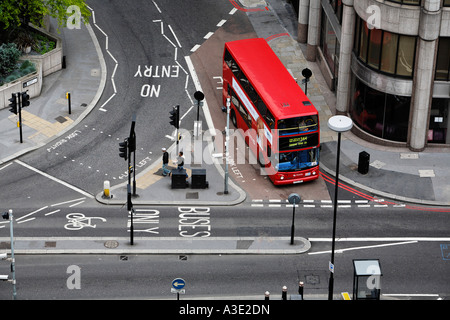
{"points": [[388, 62]]}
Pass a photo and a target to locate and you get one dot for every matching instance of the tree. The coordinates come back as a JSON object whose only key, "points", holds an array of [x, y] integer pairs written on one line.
{"points": [[17, 13]]}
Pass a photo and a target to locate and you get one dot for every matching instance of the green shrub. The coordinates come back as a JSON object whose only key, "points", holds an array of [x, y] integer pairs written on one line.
{"points": [[9, 54]]}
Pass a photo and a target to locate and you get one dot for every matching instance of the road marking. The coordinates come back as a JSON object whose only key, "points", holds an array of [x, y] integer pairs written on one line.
{"points": [[53, 212], [30, 214], [6, 166], [195, 48], [55, 179], [208, 35], [364, 247], [112, 57], [221, 23]]}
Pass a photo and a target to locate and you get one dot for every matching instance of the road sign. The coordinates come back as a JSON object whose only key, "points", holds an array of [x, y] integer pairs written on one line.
{"points": [[331, 266], [178, 284]]}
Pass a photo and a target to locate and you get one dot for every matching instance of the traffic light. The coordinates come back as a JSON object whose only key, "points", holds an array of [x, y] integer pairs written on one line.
{"points": [[175, 117], [25, 99], [13, 104], [123, 149]]}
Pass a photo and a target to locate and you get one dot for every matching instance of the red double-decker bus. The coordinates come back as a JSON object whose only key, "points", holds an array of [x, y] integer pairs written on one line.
{"points": [[267, 100]]}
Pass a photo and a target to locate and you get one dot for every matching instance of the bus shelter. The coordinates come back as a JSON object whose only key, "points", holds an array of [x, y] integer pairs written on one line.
{"points": [[366, 279]]}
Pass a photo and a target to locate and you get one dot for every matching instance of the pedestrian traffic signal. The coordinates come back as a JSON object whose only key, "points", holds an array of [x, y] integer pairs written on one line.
{"points": [[13, 104], [123, 149], [175, 117], [25, 99]]}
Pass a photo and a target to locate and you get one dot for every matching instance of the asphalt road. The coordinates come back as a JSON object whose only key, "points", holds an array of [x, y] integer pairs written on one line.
{"points": [[228, 277], [148, 42]]}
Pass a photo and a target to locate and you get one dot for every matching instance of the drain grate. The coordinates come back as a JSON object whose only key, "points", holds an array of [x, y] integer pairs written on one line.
{"points": [[61, 119], [50, 244], [191, 195]]}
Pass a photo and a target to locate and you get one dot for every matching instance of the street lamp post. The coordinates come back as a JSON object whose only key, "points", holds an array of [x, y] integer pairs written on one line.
{"points": [[338, 124], [293, 199], [9, 216]]}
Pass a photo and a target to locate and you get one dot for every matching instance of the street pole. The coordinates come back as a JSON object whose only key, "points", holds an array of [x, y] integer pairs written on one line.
{"points": [[9, 216], [227, 138], [130, 212], [132, 140], [293, 199], [19, 108], [13, 260], [333, 242], [338, 124]]}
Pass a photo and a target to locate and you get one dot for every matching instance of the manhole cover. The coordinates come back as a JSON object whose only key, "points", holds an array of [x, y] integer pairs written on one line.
{"points": [[312, 279], [111, 244]]}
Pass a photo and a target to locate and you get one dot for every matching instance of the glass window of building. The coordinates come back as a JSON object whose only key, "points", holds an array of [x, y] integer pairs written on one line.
{"points": [[405, 58], [443, 60], [411, 2], [389, 52], [380, 114], [439, 121], [384, 51], [329, 44]]}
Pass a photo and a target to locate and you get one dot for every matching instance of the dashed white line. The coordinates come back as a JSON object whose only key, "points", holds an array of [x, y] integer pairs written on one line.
{"points": [[221, 23], [195, 48]]}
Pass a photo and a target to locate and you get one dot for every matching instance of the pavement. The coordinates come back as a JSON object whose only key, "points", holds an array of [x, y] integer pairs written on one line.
{"points": [[165, 245], [395, 173]]}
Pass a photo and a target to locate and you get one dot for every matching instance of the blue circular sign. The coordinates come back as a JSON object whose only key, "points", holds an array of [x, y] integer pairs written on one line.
{"points": [[178, 283]]}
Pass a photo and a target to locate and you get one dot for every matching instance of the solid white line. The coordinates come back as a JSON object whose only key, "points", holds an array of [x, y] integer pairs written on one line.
{"points": [[66, 202], [5, 166], [112, 57], [198, 87], [184, 70], [364, 247], [55, 179], [411, 294], [174, 35], [381, 239], [173, 44], [186, 113], [157, 8], [31, 219], [23, 217], [50, 213], [75, 204], [107, 101]]}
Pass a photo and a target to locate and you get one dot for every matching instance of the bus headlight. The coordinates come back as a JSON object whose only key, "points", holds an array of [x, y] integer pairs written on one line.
{"points": [[281, 177], [314, 173]]}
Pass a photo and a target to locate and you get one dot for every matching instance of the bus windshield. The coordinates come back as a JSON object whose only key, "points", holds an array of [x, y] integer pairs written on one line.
{"points": [[297, 160], [297, 125]]}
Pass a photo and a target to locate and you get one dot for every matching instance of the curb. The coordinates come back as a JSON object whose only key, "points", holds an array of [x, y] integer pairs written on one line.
{"points": [[382, 193], [161, 245]]}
